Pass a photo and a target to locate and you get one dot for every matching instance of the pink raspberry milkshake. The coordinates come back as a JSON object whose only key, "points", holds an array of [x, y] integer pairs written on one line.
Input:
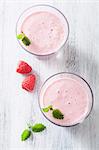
{"points": [[45, 27], [70, 94]]}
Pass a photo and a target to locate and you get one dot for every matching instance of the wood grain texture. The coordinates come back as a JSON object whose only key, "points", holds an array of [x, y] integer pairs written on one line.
{"points": [[80, 55]]}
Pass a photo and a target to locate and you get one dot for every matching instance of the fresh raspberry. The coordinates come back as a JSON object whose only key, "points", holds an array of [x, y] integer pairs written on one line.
{"points": [[23, 68], [29, 82]]}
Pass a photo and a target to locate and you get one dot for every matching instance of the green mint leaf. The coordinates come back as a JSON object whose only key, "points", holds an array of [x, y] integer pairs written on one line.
{"points": [[57, 114], [20, 36], [25, 134], [26, 41], [46, 109], [38, 127]]}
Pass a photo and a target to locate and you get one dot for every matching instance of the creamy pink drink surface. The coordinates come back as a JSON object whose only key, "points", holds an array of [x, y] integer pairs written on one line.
{"points": [[46, 30], [68, 93]]}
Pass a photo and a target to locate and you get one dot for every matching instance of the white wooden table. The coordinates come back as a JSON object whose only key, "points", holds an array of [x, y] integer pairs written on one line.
{"points": [[81, 56]]}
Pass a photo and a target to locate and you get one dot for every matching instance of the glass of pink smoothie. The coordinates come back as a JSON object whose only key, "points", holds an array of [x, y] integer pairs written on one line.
{"points": [[69, 93], [46, 28]]}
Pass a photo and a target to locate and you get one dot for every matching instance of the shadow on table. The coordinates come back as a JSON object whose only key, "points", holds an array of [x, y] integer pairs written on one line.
{"points": [[73, 60], [65, 59]]}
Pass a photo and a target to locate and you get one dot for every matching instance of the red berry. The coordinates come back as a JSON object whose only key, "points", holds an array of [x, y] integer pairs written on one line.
{"points": [[29, 82], [23, 68]]}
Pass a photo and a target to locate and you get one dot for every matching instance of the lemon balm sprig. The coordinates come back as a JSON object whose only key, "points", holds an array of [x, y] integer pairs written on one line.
{"points": [[55, 112], [38, 127], [26, 41]]}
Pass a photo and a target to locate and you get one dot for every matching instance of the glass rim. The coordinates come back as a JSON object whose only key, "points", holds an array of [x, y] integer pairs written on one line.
{"points": [[65, 18], [70, 73]]}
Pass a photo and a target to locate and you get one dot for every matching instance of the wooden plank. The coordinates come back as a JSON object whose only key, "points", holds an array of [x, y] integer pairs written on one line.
{"points": [[80, 55]]}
